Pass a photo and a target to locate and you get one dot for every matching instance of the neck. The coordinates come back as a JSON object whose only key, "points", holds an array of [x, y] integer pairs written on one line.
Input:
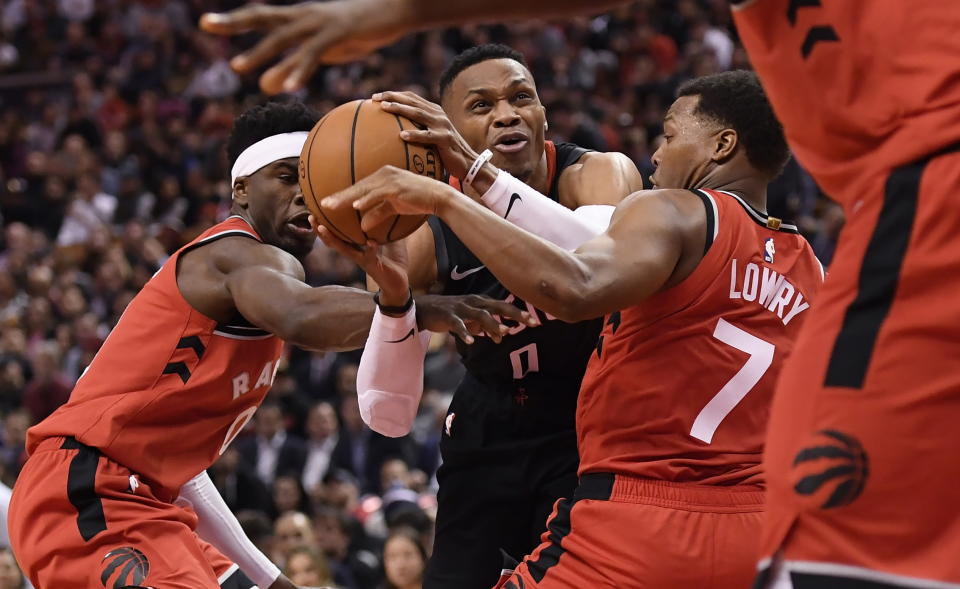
{"points": [[748, 186], [539, 177], [240, 212]]}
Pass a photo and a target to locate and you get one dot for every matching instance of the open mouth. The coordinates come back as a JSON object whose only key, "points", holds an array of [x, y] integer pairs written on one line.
{"points": [[510, 142], [300, 225]]}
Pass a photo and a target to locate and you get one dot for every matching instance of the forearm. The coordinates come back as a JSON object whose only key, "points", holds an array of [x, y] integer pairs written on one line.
{"points": [[535, 270], [331, 318], [390, 376], [528, 209], [218, 526]]}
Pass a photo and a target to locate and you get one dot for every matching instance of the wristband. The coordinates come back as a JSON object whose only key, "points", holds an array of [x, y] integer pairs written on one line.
{"points": [[477, 164], [401, 310]]}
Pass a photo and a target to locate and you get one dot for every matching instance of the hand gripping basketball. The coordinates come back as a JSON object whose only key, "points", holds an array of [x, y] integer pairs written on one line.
{"points": [[456, 154], [389, 192], [350, 143]]}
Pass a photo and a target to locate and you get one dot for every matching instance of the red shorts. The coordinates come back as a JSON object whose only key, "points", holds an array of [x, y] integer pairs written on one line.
{"points": [[629, 533], [79, 520], [861, 455]]}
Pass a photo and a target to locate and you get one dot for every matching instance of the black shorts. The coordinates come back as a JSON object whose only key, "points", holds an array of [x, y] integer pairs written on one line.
{"points": [[495, 493]]}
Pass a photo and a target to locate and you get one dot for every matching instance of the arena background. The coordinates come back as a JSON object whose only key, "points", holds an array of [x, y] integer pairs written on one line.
{"points": [[113, 117]]}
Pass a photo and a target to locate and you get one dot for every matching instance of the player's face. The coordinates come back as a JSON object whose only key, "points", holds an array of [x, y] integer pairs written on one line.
{"points": [[277, 209], [494, 105], [684, 156]]}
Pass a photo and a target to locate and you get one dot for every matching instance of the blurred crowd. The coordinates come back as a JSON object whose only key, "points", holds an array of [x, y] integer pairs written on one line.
{"points": [[113, 116]]}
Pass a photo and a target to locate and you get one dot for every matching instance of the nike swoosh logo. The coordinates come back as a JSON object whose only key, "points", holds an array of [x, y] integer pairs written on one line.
{"points": [[460, 275], [409, 335], [514, 198]]}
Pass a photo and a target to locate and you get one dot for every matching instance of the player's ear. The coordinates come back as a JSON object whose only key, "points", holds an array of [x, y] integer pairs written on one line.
{"points": [[546, 123], [726, 144], [240, 192]]}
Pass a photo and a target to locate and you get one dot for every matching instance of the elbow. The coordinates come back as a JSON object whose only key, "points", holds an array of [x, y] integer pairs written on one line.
{"points": [[565, 301]]}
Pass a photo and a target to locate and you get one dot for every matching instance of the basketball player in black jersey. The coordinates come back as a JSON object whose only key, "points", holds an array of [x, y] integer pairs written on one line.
{"points": [[509, 446]]}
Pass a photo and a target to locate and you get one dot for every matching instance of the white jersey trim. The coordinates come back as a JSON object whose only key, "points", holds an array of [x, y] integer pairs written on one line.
{"points": [[233, 568], [855, 572], [716, 213], [241, 337], [761, 218]]}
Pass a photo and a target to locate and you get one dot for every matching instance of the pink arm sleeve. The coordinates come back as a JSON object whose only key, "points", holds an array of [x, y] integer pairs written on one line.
{"points": [[390, 378]]}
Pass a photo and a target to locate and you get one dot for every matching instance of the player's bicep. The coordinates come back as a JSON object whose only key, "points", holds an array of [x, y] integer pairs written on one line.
{"points": [[265, 295], [602, 179], [634, 258]]}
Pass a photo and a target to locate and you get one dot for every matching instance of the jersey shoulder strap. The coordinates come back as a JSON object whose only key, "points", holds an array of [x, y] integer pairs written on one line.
{"points": [[560, 156]]}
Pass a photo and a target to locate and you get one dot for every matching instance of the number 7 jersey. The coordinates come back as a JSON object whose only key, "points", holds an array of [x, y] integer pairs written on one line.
{"points": [[680, 386]]}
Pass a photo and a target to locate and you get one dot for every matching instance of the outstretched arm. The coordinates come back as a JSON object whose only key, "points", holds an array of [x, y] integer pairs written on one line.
{"points": [[266, 286], [343, 30], [635, 257]]}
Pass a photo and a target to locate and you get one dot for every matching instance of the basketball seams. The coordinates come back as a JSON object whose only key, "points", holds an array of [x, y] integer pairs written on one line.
{"points": [[306, 169], [353, 161], [374, 142], [406, 153]]}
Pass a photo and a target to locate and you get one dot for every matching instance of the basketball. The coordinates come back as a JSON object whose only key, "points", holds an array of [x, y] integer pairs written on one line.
{"points": [[352, 141]]}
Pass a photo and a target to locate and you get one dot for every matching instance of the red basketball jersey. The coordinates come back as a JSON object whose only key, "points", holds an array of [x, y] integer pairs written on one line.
{"points": [[170, 388], [680, 386], [861, 86]]}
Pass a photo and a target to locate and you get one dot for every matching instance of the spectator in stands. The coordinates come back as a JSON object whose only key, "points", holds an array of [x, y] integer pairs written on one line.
{"points": [[404, 560], [322, 432], [293, 529], [307, 567], [272, 450], [10, 575]]}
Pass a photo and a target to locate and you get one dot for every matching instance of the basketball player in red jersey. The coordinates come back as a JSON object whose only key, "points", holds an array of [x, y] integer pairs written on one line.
{"points": [[115, 492], [704, 294]]}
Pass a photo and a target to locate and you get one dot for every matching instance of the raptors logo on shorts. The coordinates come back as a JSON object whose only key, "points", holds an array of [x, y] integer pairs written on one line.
{"points": [[133, 566], [834, 470]]}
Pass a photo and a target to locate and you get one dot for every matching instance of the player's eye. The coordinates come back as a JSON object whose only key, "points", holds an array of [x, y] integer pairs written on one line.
{"points": [[479, 104], [524, 96], [288, 178]]}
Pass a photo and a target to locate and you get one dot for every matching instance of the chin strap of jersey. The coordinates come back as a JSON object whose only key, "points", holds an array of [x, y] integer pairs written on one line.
{"points": [[217, 525], [528, 209], [390, 376]]}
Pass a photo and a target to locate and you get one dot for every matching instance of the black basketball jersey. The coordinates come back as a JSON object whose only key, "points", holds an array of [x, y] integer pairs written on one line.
{"points": [[532, 378]]}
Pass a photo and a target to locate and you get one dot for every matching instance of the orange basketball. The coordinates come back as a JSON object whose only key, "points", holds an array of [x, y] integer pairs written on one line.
{"points": [[352, 141]]}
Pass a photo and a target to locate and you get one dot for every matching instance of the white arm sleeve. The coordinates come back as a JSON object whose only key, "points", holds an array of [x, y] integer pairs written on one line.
{"points": [[528, 209], [390, 377], [218, 526]]}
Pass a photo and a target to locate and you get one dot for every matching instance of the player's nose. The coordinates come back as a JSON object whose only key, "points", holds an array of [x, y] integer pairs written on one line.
{"points": [[504, 115]]}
